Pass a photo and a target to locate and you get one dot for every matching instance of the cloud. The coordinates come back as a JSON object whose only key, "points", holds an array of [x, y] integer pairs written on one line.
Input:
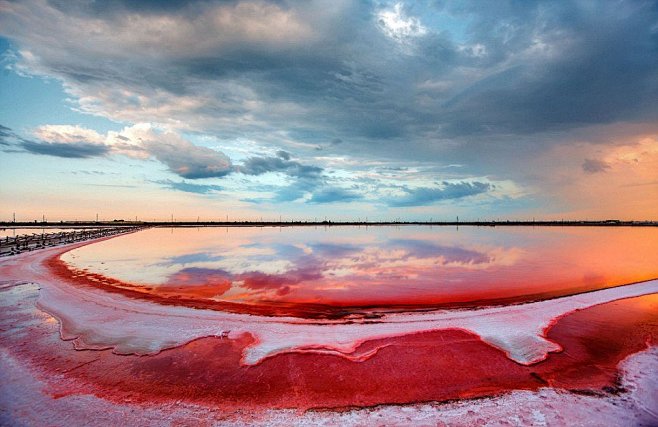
{"points": [[192, 258], [181, 157], [73, 142], [257, 280], [395, 23], [74, 150], [64, 134], [333, 194], [8, 138], [71, 150], [448, 191], [595, 166], [280, 163], [593, 68], [298, 189], [186, 159], [283, 154], [112, 185], [450, 254], [257, 69], [220, 26], [140, 141], [207, 282], [323, 251], [5, 135], [189, 187]]}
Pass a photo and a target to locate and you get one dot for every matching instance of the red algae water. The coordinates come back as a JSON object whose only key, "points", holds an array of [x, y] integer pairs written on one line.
{"points": [[312, 271], [254, 319]]}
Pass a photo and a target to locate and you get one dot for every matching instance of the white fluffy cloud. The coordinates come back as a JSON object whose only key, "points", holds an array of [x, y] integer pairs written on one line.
{"points": [[68, 134], [140, 141]]}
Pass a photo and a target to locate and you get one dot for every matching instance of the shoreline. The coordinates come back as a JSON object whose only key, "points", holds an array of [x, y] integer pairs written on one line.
{"points": [[11, 246]]}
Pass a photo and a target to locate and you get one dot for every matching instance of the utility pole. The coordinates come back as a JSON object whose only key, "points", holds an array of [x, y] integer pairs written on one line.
{"points": [[14, 217], [96, 217]]}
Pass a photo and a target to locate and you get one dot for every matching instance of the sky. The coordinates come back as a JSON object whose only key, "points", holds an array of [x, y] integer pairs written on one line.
{"points": [[328, 109]]}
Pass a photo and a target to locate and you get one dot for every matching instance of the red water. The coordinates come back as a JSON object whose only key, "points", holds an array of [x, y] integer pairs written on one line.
{"points": [[353, 271]]}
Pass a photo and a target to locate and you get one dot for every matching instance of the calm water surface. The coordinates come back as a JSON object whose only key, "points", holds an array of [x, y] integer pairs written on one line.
{"points": [[405, 267]]}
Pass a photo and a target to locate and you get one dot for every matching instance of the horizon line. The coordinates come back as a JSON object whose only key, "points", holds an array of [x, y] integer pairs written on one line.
{"points": [[326, 222]]}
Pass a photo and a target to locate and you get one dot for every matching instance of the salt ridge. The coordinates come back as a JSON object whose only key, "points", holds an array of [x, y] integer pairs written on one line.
{"points": [[96, 320]]}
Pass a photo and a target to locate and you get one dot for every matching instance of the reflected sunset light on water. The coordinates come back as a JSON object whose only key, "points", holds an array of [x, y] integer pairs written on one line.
{"points": [[376, 267]]}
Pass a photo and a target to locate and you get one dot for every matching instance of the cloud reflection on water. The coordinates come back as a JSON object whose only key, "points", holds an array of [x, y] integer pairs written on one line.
{"points": [[359, 267]]}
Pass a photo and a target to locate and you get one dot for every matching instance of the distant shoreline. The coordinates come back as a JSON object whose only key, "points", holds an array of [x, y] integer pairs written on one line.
{"points": [[77, 224]]}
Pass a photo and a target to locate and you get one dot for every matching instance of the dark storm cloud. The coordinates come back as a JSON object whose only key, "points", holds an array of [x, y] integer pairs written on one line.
{"points": [[448, 191], [75, 150]]}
